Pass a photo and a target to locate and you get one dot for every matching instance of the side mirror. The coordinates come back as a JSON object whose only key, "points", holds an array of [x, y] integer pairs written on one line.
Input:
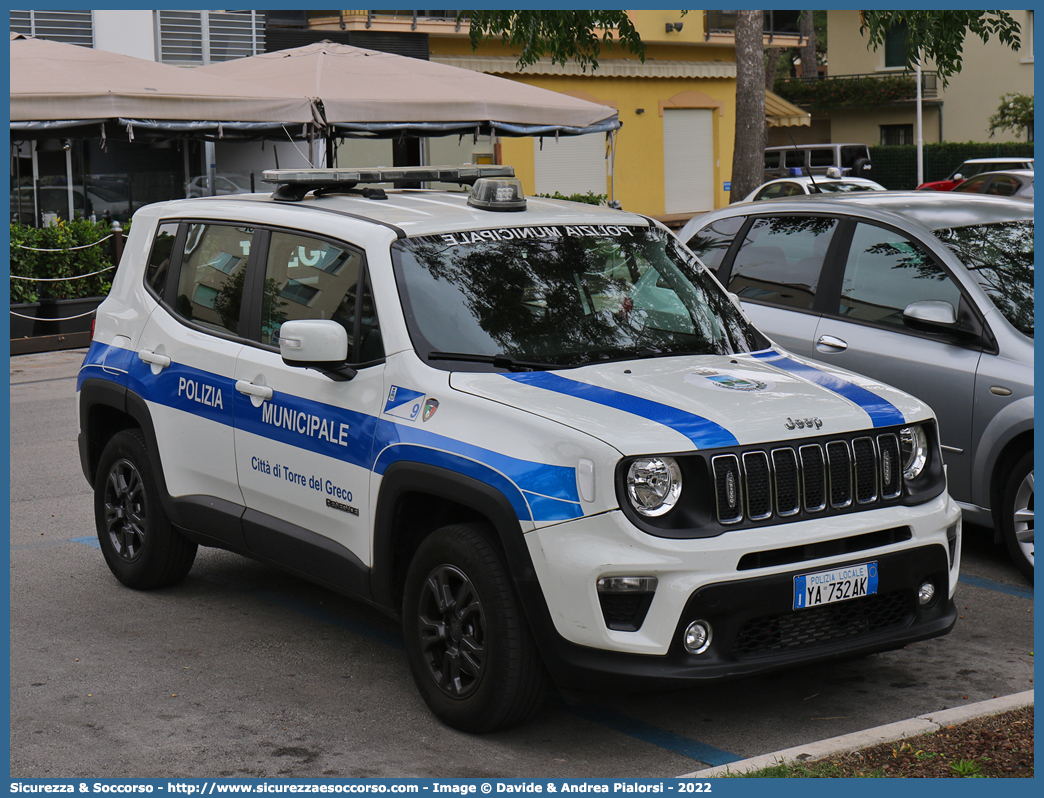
{"points": [[930, 316], [958, 176], [319, 344]]}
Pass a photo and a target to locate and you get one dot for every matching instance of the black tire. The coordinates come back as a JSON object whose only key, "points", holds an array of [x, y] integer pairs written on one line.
{"points": [[467, 642], [140, 546], [1017, 515]]}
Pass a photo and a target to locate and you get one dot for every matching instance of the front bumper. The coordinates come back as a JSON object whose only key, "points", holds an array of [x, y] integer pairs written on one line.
{"points": [[755, 627]]}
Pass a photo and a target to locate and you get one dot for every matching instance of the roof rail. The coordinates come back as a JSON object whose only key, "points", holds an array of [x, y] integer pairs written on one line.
{"points": [[294, 184]]}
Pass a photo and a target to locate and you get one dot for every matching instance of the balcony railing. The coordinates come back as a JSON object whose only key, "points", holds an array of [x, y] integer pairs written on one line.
{"points": [[864, 91], [777, 23], [414, 16]]}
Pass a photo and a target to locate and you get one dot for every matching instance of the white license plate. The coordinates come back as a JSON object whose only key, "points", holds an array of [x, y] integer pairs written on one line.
{"points": [[840, 584]]}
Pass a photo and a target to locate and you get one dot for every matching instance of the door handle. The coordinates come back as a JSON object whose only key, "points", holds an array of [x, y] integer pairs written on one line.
{"points": [[154, 359], [251, 389], [830, 343]]}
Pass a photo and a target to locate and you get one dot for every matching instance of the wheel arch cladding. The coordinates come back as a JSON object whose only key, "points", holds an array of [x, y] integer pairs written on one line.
{"points": [[418, 498]]}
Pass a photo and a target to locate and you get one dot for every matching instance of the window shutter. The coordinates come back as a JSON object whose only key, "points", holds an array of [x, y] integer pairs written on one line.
{"points": [[181, 37], [206, 37], [236, 34], [71, 27]]}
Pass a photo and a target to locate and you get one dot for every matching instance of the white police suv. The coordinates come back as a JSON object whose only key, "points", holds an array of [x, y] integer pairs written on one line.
{"points": [[539, 432]]}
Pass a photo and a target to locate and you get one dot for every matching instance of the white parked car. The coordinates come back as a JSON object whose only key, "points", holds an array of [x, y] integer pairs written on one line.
{"points": [[538, 432], [223, 185], [831, 183]]}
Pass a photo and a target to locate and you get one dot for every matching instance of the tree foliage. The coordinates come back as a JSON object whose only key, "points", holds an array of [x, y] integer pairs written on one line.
{"points": [[939, 35], [1015, 113], [562, 36]]}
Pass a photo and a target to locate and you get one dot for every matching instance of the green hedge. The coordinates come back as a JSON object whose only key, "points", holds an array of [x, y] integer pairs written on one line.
{"points": [[896, 167], [826, 94], [590, 198], [70, 263]]}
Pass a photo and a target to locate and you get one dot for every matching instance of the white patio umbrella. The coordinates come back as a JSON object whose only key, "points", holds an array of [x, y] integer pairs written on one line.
{"points": [[65, 85], [365, 92]]}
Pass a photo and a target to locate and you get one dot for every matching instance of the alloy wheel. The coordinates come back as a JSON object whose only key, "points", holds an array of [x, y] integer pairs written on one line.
{"points": [[1024, 516], [452, 628], [125, 510]]}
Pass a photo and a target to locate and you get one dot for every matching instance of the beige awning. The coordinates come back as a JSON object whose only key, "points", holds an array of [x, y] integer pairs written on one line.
{"points": [[365, 88], [781, 113], [607, 67], [56, 81]]}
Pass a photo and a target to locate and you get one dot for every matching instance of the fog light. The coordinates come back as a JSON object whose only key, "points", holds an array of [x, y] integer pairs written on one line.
{"points": [[697, 637], [626, 584], [926, 594]]}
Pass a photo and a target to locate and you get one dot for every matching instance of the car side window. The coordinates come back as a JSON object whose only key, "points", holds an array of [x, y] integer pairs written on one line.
{"points": [[712, 242], [1003, 185], [309, 278], [159, 257], [770, 191], [973, 185], [885, 272], [780, 259], [794, 158], [213, 267], [821, 157]]}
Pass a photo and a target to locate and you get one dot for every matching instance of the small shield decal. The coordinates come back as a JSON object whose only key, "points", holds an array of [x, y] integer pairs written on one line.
{"points": [[429, 409]]}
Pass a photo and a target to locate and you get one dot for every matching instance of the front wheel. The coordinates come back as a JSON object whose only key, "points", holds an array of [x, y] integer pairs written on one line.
{"points": [[467, 642], [1017, 518], [139, 544]]}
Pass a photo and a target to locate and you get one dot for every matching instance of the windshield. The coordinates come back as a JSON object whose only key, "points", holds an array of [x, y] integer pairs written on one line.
{"points": [[1000, 257], [559, 296]]}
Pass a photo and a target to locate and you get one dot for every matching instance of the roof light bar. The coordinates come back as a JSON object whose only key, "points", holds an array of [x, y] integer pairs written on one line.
{"points": [[294, 184]]}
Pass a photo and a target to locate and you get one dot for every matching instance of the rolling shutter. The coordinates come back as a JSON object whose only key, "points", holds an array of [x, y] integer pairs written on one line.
{"points": [[688, 160], [571, 165]]}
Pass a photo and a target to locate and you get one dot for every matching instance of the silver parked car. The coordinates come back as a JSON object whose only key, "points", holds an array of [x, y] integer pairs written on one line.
{"points": [[1016, 183], [930, 292]]}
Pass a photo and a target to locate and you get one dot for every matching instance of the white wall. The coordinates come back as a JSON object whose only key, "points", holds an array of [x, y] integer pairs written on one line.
{"points": [[129, 32]]}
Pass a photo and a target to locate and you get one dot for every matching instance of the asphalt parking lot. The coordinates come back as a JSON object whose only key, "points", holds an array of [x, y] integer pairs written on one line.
{"points": [[242, 671]]}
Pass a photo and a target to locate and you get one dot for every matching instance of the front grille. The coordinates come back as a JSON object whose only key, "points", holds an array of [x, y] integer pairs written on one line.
{"points": [[834, 475], [820, 625]]}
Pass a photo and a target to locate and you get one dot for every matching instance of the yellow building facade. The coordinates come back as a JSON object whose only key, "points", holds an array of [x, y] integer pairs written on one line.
{"points": [[672, 157]]}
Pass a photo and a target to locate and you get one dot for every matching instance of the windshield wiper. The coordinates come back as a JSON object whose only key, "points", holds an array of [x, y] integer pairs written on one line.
{"points": [[498, 361]]}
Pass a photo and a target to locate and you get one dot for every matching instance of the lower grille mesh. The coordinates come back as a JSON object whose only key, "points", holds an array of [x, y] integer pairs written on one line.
{"points": [[820, 625]]}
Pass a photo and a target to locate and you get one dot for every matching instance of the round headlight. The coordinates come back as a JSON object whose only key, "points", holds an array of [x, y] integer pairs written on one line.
{"points": [[654, 485], [913, 444]]}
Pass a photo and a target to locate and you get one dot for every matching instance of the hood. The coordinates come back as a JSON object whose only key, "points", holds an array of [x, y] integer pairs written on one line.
{"points": [[684, 403]]}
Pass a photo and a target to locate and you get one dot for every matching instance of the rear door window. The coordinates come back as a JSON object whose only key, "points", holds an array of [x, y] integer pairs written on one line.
{"points": [[781, 258], [213, 269]]}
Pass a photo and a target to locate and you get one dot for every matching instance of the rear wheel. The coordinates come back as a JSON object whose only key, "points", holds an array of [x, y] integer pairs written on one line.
{"points": [[140, 546], [467, 642], [1017, 518]]}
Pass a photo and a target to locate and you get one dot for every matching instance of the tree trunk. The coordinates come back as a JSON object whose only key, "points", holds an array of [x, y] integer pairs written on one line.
{"points": [[809, 68], [771, 66], [748, 157]]}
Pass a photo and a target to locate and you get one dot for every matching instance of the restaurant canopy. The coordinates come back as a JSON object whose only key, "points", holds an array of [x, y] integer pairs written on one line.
{"points": [[370, 93], [325, 88], [56, 88]]}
